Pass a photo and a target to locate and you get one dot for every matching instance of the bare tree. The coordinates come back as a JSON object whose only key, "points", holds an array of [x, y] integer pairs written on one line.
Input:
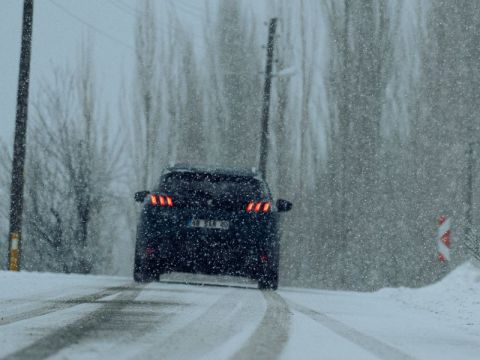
{"points": [[360, 71], [72, 167], [145, 120], [191, 140], [236, 85]]}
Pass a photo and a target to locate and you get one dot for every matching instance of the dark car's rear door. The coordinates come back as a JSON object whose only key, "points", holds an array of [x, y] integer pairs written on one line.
{"points": [[215, 201]]}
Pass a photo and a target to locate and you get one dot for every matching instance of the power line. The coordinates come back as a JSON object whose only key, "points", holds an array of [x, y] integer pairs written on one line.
{"points": [[185, 8], [190, 6], [98, 30], [126, 8], [123, 9]]}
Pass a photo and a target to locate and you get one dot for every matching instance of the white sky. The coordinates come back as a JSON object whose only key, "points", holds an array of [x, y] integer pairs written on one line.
{"points": [[56, 39], [59, 26]]}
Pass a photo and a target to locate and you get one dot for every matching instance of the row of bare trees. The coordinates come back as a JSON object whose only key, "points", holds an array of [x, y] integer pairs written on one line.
{"points": [[373, 107], [73, 166]]}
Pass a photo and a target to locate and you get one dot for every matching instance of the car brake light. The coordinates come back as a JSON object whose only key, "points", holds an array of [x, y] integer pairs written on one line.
{"points": [[161, 200], [153, 199], [266, 207], [150, 251], [258, 206]]}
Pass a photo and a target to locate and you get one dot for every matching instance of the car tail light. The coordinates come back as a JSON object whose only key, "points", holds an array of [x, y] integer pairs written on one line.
{"points": [[161, 200], [258, 206], [266, 207], [153, 199]]}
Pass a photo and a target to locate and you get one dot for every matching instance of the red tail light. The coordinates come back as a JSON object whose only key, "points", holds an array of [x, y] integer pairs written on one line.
{"points": [[153, 199], [161, 200], [258, 206], [266, 207]]}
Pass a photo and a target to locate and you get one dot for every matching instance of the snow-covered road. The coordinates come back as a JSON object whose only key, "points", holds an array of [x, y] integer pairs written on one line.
{"points": [[71, 316]]}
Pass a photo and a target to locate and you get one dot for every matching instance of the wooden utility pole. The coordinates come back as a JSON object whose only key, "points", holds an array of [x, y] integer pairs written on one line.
{"points": [[266, 98], [19, 147]]}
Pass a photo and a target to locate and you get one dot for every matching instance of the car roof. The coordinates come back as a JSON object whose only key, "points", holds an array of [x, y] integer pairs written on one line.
{"points": [[214, 169]]}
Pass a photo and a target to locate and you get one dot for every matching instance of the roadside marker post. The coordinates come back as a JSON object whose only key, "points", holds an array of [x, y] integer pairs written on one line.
{"points": [[13, 263], [443, 239]]}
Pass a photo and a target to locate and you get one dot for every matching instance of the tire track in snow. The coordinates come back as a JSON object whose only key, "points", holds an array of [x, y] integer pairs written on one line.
{"points": [[369, 343], [227, 321], [270, 337], [60, 304], [71, 334]]}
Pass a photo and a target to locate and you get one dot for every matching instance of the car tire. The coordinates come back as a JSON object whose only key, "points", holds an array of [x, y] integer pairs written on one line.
{"points": [[143, 273], [268, 280], [146, 277]]}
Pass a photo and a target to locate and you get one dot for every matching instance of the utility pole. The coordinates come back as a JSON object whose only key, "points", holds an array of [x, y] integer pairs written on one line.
{"points": [[266, 98], [19, 146]]}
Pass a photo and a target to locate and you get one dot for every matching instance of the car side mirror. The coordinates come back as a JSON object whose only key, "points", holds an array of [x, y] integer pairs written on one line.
{"points": [[284, 205], [141, 195]]}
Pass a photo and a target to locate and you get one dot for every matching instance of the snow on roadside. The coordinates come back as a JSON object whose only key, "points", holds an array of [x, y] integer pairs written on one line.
{"points": [[440, 321], [456, 297], [34, 285]]}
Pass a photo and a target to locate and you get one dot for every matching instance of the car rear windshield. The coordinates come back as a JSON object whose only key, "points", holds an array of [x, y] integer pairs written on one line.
{"points": [[214, 185]]}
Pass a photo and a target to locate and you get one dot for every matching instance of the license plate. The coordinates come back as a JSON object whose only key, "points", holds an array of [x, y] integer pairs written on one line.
{"points": [[210, 224]]}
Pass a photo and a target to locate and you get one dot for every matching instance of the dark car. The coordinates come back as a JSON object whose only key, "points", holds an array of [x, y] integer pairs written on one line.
{"points": [[211, 221]]}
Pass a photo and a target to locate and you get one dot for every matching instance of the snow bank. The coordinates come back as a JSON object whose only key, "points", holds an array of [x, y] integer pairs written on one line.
{"points": [[34, 285], [456, 297]]}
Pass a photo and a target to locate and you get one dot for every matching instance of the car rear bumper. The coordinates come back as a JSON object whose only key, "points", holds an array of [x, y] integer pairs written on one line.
{"points": [[169, 239], [204, 252]]}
